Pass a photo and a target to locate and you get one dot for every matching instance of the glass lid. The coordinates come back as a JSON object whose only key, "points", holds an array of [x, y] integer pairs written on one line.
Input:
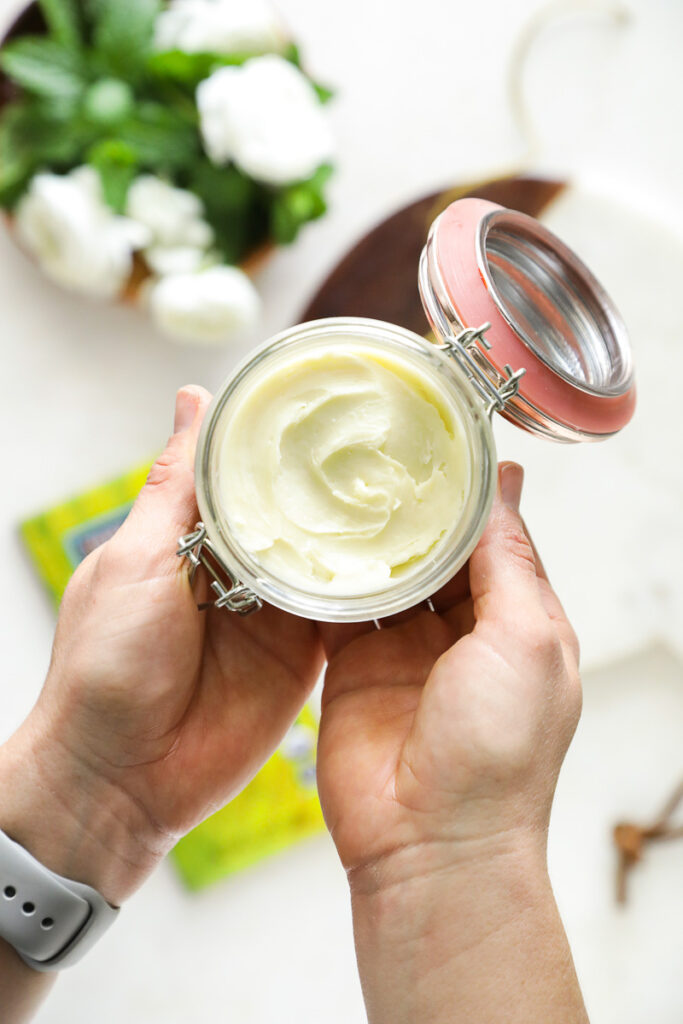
{"points": [[530, 304]]}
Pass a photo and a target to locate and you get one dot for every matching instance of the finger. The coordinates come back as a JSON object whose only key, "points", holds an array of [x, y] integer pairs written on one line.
{"points": [[456, 590], [507, 579], [336, 635], [397, 657], [549, 598], [540, 568], [166, 507], [551, 602], [503, 578]]}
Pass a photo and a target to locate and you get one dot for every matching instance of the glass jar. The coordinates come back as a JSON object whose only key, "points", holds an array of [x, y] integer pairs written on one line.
{"points": [[520, 327]]}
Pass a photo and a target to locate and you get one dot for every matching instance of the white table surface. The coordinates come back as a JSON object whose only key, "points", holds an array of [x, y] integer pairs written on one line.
{"points": [[88, 391]]}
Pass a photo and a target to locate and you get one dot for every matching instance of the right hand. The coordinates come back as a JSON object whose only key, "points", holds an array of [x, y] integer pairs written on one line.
{"points": [[443, 729], [441, 738]]}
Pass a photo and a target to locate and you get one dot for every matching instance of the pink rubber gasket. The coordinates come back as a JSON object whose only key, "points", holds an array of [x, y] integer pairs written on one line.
{"points": [[456, 257]]}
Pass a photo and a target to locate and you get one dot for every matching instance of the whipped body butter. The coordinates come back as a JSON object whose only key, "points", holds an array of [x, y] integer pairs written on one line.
{"points": [[346, 470], [343, 467]]}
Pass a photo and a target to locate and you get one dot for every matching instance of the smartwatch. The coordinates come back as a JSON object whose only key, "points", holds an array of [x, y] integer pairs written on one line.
{"points": [[51, 921]]}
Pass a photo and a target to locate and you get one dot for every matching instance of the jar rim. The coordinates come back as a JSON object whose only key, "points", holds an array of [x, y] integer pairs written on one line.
{"points": [[450, 554], [535, 270], [594, 325]]}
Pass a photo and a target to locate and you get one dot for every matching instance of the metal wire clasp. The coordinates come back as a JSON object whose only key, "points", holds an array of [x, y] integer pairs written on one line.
{"points": [[230, 592], [459, 345]]}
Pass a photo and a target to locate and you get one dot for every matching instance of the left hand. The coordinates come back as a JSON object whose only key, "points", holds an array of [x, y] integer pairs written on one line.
{"points": [[153, 714]]}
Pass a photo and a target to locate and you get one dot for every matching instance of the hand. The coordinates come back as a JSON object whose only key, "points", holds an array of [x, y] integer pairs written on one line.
{"points": [[153, 714], [450, 727], [441, 739]]}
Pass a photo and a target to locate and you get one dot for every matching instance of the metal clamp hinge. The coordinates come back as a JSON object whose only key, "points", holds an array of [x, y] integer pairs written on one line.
{"points": [[230, 592], [495, 395]]}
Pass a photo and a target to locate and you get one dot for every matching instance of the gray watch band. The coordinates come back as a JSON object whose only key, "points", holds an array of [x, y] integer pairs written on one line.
{"points": [[51, 921]]}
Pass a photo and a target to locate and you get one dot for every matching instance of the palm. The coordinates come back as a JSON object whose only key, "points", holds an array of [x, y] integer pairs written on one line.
{"points": [[420, 718], [255, 674], [374, 700], [193, 702]]}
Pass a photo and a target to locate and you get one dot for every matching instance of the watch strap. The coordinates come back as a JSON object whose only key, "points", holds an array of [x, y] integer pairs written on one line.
{"points": [[51, 921]]}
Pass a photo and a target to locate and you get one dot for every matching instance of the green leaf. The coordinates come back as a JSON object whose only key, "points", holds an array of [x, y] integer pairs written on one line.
{"points": [[190, 69], [12, 188], [43, 67], [116, 164], [15, 168], [235, 206], [225, 189], [63, 21], [33, 131], [160, 137], [108, 101], [187, 68], [123, 31], [34, 134], [324, 93], [296, 205], [292, 54]]}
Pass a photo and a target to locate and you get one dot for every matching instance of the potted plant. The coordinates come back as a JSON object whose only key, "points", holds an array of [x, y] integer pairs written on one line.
{"points": [[159, 150]]}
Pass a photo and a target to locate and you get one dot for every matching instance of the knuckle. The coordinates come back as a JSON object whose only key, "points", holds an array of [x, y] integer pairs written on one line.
{"points": [[107, 562], [165, 467], [517, 543], [160, 473], [542, 637], [574, 643], [572, 703], [88, 576], [576, 694], [83, 574]]}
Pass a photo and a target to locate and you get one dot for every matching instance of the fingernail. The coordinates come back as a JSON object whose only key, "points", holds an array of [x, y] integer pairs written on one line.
{"points": [[511, 480], [186, 403]]}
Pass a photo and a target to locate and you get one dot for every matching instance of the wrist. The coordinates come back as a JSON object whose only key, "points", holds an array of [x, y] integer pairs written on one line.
{"points": [[442, 861], [72, 820], [433, 923]]}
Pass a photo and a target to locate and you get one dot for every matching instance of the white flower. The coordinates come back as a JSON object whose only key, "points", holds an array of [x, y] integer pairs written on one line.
{"points": [[218, 26], [266, 116], [179, 260], [74, 236], [174, 219], [211, 305]]}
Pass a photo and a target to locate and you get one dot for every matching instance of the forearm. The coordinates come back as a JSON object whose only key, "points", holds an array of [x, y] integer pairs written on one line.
{"points": [[76, 826], [475, 938], [22, 990]]}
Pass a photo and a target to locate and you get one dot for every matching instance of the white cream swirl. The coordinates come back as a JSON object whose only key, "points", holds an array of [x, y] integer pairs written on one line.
{"points": [[341, 469]]}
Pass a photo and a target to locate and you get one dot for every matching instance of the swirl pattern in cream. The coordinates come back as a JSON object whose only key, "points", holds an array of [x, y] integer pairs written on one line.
{"points": [[342, 469]]}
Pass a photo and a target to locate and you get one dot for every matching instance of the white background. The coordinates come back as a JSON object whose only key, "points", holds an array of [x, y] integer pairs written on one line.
{"points": [[87, 392]]}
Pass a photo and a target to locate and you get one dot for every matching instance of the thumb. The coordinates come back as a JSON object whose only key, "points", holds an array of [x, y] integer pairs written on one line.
{"points": [[503, 580], [166, 507]]}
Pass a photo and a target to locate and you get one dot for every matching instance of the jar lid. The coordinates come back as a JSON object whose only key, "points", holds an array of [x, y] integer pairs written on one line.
{"points": [[542, 341]]}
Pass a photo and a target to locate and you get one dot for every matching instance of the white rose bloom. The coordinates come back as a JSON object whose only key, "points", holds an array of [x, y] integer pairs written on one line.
{"points": [[179, 260], [209, 306], [266, 116], [74, 236], [174, 218], [218, 26]]}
